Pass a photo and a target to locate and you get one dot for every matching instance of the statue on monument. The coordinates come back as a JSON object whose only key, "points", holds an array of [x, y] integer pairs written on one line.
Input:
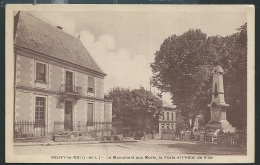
{"points": [[218, 105]]}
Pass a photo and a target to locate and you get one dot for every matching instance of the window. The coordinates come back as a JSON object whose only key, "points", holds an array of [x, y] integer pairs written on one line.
{"points": [[69, 81], [167, 115], [162, 126], [162, 115], [40, 72], [90, 113], [91, 84], [172, 117], [40, 111]]}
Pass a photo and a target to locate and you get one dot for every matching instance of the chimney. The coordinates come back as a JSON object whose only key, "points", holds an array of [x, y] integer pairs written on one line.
{"points": [[59, 27]]}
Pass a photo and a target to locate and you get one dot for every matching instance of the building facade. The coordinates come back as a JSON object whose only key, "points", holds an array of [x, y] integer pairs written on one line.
{"points": [[167, 120], [56, 79]]}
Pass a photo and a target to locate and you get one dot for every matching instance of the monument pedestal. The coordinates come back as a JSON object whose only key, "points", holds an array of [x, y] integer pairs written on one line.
{"points": [[222, 125], [218, 118]]}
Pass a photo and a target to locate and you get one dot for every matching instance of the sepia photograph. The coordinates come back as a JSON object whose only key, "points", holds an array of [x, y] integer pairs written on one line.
{"points": [[130, 84]]}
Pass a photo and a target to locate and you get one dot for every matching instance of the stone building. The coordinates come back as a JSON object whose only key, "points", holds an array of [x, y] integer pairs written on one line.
{"points": [[167, 120], [56, 79]]}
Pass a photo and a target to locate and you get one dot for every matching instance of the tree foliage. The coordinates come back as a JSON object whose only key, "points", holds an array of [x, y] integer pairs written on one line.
{"points": [[183, 67], [135, 108]]}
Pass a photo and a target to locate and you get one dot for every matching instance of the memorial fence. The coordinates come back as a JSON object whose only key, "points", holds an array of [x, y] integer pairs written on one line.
{"points": [[234, 139]]}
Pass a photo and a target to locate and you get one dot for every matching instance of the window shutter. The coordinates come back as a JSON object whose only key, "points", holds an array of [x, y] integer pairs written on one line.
{"points": [[37, 71]]}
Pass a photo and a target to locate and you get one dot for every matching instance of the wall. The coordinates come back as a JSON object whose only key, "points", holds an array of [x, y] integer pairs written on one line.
{"points": [[23, 106], [99, 112], [81, 80], [25, 76], [24, 102], [55, 112], [108, 112], [99, 88], [56, 77], [24, 71], [80, 111]]}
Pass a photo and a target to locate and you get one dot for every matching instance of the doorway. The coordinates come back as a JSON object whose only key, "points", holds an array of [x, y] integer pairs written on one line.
{"points": [[68, 123]]}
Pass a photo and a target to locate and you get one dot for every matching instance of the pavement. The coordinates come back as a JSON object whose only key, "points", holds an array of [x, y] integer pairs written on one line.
{"points": [[185, 147], [52, 143], [154, 147]]}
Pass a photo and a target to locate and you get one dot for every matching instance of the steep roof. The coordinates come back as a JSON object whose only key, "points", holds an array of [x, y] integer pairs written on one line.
{"points": [[36, 35], [167, 105]]}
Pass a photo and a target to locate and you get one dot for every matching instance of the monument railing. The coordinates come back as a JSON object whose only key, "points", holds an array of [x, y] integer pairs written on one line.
{"points": [[169, 134], [234, 139]]}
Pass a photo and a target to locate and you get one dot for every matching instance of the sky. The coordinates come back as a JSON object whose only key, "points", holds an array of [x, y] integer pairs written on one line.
{"points": [[123, 43]]}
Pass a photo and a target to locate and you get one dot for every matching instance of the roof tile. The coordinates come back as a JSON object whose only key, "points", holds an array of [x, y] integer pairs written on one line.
{"points": [[39, 36]]}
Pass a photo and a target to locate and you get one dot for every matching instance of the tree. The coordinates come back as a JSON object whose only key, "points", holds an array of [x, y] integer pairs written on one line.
{"points": [[183, 67], [136, 108], [232, 54]]}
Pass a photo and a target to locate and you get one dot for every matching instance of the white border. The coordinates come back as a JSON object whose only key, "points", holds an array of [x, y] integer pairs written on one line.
{"points": [[9, 61]]}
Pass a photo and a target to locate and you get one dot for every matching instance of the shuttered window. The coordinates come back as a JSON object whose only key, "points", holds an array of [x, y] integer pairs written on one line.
{"points": [[40, 72], [91, 84], [90, 113]]}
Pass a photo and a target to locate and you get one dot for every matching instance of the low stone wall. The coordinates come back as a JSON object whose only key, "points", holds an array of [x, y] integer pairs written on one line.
{"points": [[151, 136], [30, 139], [84, 136], [74, 136]]}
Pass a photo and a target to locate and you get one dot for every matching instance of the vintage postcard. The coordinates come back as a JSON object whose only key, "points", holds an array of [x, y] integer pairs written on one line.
{"points": [[130, 83]]}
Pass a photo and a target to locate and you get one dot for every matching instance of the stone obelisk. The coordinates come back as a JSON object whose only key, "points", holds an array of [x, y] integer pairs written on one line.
{"points": [[218, 105]]}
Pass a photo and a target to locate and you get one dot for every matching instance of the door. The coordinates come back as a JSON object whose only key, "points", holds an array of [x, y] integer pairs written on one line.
{"points": [[90, 114], [68, 124], [69, 81]]}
